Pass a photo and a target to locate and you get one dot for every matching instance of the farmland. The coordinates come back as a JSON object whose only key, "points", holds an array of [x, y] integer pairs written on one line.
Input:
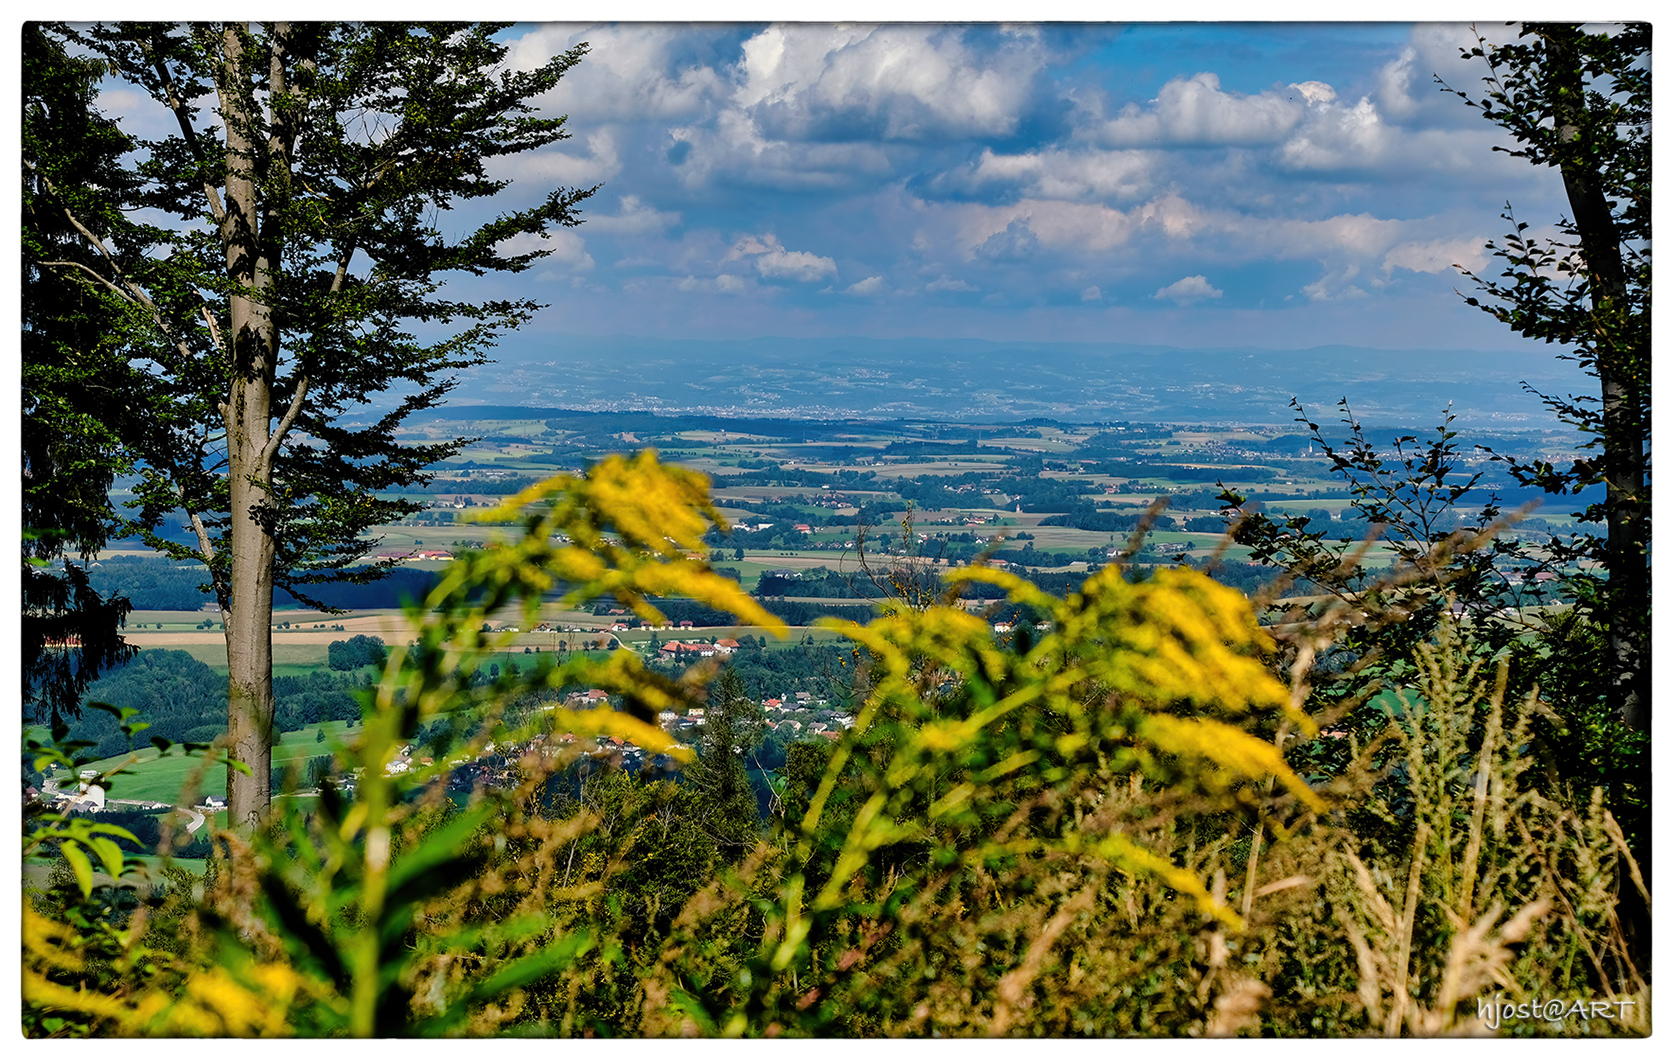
{"points": [[836, 496], [817, 509]]}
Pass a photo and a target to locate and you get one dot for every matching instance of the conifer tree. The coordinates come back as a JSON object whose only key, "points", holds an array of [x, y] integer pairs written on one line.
{"points": [[291, 312], [70, 369]]}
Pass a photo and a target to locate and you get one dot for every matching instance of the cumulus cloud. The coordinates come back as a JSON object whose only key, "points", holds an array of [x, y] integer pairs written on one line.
{"points": [[1015, 242], [1438, 255], [772, 260], [733, 149], [947, 283], [635, 218], [1187, 290], [1093, 294], [1035, 230], [631, 72], [869, 285], [552, 166], [1057, 174], [1197, 110], [1019, 232], [818, 106], [560, 247], [1337, 137], [1405, 85], [910, 82]]}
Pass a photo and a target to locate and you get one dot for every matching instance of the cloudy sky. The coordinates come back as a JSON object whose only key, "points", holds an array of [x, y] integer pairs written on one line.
{"points": [[1269, 184], [1194, 184]]}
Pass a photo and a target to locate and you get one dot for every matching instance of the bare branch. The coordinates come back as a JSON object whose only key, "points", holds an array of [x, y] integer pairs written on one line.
{"points": [[214, 329], [129, 291], [187, 131], [286, 422]]}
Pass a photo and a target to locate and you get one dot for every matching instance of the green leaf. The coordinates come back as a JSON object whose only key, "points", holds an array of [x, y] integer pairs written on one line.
{"points": [[110, 855], [79, 864]]}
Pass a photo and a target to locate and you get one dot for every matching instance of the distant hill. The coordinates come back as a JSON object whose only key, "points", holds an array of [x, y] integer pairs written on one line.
{"points": [[977, 381]]}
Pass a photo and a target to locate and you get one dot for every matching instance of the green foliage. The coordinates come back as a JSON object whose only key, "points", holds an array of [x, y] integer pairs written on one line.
{"points": [[356, 652], [732, 725], [1089, 830], [69, 368], [1577, 99]]}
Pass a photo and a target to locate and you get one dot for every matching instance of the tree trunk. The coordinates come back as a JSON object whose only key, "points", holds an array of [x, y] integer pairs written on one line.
{"points": [[252, 338], [1623, 361], [1620, 359]]}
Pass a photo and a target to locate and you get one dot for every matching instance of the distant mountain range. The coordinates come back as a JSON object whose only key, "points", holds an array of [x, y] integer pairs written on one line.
{"points": [[972, 380]]}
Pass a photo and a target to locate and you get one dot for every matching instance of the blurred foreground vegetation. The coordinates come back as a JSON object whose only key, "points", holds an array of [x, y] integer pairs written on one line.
{"points": [[1146, 815]]}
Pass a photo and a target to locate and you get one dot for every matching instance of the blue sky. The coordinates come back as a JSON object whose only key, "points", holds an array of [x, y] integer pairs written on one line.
{"points": [[1194, 184]]}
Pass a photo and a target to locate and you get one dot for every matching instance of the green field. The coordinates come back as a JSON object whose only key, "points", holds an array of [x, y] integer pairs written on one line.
{"points": [[154, 777]]}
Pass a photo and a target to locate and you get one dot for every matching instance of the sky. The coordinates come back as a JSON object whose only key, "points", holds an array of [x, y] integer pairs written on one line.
{"points": [[1282, 184], [1189, 184]]}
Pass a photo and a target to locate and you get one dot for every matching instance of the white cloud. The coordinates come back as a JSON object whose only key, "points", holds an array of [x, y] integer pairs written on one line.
{"points": [[1315, 91], [725, 283], [901, 82], [1196, 110], [1406, 85], [1093, 294], [1019, 231], [635, 218], [947, 283], [552, 166], [1333, 286], [1336, 137], [773, 260], [1187, 290], [561, 247], [795, 264], [1438, 255], [1058, 174], [1040, 231], [814, 106], [869, 285], [1015, 242], [632, 72], [733, 148]]}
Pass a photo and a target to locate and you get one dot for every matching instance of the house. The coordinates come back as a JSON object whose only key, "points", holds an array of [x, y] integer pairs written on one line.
{"points": [[726, 645]]}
